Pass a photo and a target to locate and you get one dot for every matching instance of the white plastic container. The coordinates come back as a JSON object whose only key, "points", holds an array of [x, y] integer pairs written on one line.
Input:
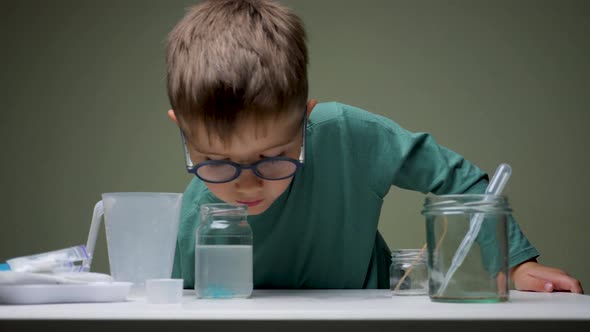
{"points": [[163, 291]]}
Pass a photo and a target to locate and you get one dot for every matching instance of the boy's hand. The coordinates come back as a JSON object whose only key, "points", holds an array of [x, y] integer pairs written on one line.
{"points": [[532, 276]]}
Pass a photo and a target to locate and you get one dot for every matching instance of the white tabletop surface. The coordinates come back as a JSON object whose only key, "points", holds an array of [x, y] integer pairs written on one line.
{"points": [[315, 305]]}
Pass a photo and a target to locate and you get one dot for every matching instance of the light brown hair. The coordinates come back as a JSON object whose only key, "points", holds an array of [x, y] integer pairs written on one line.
{"points": [[233, 59]]}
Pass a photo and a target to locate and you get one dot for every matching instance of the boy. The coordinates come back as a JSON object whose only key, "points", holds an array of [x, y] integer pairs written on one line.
{"points": [[313, 175]]}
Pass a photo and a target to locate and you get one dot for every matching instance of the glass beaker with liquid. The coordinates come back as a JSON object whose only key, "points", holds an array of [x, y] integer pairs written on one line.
{"points": [[223, 252]]}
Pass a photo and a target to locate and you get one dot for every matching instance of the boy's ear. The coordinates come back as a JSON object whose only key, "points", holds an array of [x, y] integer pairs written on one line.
{"points": [[172, 116], [310, 105]]}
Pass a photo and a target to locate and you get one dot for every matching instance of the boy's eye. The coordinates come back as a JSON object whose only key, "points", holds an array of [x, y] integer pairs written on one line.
{"points": [[273, 155], [262, 156], [209, 158]]}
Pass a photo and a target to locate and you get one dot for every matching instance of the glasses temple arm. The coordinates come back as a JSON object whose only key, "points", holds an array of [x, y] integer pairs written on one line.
{"points": [[187, 157], [302, 154]]}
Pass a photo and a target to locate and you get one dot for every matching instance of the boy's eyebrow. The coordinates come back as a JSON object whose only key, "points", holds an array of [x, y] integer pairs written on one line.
{"points": [[291, 140], [293, 137]]}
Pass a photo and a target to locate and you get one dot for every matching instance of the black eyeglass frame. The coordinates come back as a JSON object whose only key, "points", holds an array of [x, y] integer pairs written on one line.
{"points": [[193, 169]]}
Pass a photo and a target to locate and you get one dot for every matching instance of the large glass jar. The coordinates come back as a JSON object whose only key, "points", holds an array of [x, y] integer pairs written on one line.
{"points": [[223, 252], [467, 242]]}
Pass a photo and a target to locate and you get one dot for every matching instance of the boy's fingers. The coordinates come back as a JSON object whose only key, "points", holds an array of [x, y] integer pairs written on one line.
{"points": [[568, 283], [530, 283], [560, 279]]}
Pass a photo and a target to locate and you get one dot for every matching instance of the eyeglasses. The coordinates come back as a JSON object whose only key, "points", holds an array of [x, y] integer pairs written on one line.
{"points": [[222, 171]]}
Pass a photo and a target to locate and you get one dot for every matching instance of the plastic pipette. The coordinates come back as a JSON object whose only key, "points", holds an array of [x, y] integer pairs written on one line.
{"points": [[495, 187]]}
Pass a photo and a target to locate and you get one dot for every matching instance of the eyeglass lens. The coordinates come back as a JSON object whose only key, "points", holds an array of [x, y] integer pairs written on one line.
{"points": [[270, 169]]}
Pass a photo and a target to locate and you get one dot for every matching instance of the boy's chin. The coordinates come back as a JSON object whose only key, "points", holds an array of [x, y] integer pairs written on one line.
{"points": [[255, 211], [259, 209]]}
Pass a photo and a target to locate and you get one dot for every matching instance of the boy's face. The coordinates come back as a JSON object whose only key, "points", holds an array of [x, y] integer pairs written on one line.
{"points": [[250, 143]]}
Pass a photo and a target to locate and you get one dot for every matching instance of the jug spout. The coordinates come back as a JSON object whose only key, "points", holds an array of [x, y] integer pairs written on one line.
{"points": [[93, 233]]}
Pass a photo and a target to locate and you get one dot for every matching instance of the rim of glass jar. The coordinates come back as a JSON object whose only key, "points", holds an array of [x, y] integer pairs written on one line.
{"points": [[411, 255], [215, 209], [466, 203]]}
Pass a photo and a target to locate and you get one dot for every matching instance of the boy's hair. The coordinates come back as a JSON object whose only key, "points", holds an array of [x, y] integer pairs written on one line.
{"points": [[233, 59]]}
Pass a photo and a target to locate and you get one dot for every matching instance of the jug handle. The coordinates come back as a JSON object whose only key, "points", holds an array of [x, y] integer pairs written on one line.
{"points": [[93, 234]]}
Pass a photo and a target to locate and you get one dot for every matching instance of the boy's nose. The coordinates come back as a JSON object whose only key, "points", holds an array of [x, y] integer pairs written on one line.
{"points": [[248, 180]]}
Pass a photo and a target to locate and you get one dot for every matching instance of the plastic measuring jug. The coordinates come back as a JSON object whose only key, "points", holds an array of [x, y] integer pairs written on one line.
{"points": [[141, 230]]}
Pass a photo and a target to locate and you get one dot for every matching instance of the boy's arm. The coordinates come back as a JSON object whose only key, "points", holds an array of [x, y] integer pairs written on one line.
{"points": [[429, 167]]}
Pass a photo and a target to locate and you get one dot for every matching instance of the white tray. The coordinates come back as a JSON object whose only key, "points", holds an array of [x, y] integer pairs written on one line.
{"points": [[65, 293]]}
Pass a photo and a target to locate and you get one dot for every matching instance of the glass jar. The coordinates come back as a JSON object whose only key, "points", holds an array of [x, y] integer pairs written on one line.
{"points": [[223, 252], [467, 242], [408, 274]]}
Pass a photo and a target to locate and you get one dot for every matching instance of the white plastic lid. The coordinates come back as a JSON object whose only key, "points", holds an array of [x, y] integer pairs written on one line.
{"points": [[163, 290]]}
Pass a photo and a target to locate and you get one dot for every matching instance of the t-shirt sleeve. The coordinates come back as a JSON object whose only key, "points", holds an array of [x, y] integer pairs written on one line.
{"points": [[415, 161]]}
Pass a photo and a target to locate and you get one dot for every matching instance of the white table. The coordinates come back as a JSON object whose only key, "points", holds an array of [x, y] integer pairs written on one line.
{"points": [[300, 310]]}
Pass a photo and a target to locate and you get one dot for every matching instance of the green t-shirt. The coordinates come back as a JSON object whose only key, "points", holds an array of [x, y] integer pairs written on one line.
{"points": [[322, 231]]}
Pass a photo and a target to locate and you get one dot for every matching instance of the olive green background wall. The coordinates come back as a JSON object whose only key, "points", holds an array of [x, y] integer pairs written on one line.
{"points": [[84, 107]]}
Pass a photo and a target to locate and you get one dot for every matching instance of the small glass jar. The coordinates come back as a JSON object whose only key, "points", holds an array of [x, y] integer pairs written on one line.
{"points": [[223, 252], [408, 273]]}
